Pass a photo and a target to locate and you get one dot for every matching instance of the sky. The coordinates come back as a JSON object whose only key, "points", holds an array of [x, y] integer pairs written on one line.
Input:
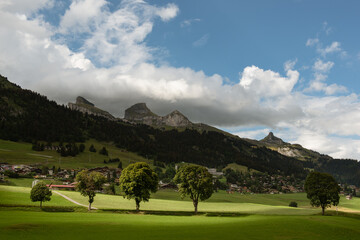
{"points": [[248, 67]]}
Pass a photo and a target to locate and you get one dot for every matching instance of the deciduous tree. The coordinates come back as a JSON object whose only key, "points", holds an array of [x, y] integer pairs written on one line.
{"points": [[322, 190], [40, 193], [88, 183], [196, 182], [137, 181]]}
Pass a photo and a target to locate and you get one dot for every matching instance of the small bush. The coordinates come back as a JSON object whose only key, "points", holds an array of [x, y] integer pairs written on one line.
{"points": [[293, 204], [92, 148], [103, 151]]}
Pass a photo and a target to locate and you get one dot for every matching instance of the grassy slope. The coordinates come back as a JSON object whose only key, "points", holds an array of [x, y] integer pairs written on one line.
{"points": [[10, 195], [21, 153], [169, 200], [297, 224], [116, 202], [240, 168], [20, 195], [42, 225]]}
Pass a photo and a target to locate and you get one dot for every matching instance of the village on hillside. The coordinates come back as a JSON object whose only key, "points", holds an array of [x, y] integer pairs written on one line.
{"points": [[247, 184]]}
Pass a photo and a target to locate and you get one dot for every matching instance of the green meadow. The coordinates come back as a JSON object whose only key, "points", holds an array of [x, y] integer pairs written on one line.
{"points": [[166, 216], [21, 153], [44, 225]]}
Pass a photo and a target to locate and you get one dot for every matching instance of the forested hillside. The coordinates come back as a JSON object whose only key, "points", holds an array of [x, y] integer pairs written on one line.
{"points": [[28, 116]]}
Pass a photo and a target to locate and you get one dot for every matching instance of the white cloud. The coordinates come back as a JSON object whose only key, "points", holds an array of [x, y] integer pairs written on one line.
{"points": [[320, 66], [290, 64], [333, 47], [201, 41], [114, 38], [312, 41], [252, 134], [337, 147], [327, 89], [81, 15], [167, 13], [113, 68], [324, 51], [268, 83], [318, 84], [24, 6], [189, 22]]}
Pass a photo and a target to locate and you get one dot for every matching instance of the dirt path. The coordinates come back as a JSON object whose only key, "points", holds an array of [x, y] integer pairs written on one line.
{"points": [[73, 201]]}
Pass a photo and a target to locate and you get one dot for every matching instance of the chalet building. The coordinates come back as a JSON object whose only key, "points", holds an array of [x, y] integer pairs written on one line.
{"points": [[70, 186]]}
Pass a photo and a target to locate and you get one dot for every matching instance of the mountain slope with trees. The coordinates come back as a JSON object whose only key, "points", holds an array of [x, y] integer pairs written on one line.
{"points": [[28, 116]]}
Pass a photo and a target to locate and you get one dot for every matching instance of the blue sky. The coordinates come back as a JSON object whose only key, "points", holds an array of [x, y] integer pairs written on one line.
{"points": [[261, 33], [249, 67]]}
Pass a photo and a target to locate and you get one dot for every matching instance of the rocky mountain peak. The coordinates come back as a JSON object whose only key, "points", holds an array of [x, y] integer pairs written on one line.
{"points": [[138, 112], [141, 113], [176, 119], [272, 139], [80, 100], [85, 106]]}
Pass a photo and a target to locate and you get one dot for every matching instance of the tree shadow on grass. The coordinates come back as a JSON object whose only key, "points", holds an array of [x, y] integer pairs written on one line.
{"points": [[177, 213], [9, 207]]}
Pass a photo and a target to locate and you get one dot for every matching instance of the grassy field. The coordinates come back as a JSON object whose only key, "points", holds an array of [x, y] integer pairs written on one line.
{"points": [[169, 200], [240, 168], [165, 216], [21, 153], [44, 225], [116, 202], [262, 216], [20, 195], [10, 195]]}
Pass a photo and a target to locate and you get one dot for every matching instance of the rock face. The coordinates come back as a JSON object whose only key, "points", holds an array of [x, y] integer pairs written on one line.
{"points": [[140, 113], [80, 100], [290, 152], [84, 106], [271, 139], [176, 119]]}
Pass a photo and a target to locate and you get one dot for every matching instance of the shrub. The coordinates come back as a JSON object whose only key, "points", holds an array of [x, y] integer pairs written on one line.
{"points": [[92, 148], [81, 147], [293, 204], [103, 151]]}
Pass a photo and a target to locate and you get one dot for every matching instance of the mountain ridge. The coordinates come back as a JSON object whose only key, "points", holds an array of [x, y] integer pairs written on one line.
{"points": [[140, 113], [28, 116], [84, 106]]}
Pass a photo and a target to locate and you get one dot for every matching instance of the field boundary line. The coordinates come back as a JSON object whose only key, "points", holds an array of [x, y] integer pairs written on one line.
{"points": [[71, 200], [39, 155]]}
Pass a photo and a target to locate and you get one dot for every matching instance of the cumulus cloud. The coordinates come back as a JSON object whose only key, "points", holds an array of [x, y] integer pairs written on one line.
{"points": [[320, 66], [114, 68], [318, 84], [268, 83], [168, 12], [77, 19], [333, 47], [24, 6]]}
